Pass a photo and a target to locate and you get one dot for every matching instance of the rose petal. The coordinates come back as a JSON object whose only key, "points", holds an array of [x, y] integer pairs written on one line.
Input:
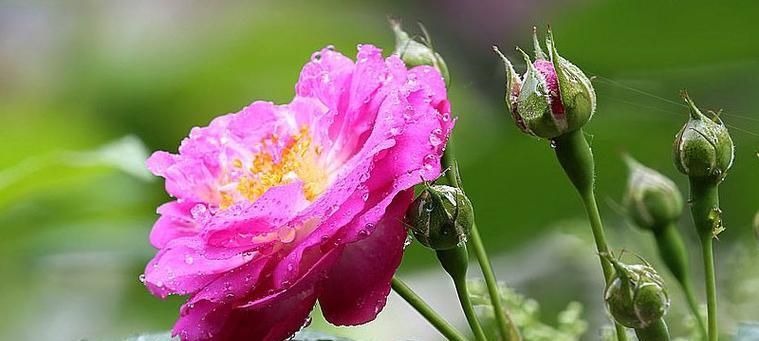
{"points": [[357, 287]]}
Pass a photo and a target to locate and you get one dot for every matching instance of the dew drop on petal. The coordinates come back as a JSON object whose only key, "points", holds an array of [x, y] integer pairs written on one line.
{"points": [[199, 212], [247, 256], [188, 259], [429, 161], [142, 278], [435, 140]]}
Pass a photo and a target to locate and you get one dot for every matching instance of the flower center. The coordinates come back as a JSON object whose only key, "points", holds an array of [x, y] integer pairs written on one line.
{"points": [[277, 162]]}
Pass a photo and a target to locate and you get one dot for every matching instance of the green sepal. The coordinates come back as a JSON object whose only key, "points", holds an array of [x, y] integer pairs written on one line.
{"points": [[539, 54], [533, 99], [577, 94]]}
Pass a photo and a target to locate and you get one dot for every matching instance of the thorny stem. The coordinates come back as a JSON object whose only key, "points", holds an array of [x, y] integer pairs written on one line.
{"points": [[426, 311], [704, 207], [506, 327], [576, 158]]}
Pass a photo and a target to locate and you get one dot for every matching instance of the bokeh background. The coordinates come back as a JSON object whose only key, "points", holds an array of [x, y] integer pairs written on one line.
{"points": [[89, 88]]}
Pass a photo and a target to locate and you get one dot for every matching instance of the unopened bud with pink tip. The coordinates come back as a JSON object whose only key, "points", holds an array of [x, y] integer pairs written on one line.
{"points": [[553, 97]]}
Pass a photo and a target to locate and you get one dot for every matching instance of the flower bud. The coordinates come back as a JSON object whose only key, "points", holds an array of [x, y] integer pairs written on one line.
{"points": [[636, 296], [652, 200], [703, 148], [414, 53], [440, 217], [553, 97]]}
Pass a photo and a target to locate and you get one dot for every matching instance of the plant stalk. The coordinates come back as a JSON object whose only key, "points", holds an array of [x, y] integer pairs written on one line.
{"points": [[711, 288], [704, 206], [576, 158], [506, 327], [674, 254], [455, 262], [426, 311]]}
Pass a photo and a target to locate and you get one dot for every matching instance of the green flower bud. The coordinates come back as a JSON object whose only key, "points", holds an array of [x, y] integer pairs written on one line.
{"points": [[440, 217], [553, 97], [652, 200], [414, 53], [636, 296], [703, 148]]}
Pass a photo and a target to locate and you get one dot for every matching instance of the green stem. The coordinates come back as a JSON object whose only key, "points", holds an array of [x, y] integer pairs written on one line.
{"points": [[674, 254], [704, 201], [711, 288], [426, 311], [576, 158], [693, 305], [455, 262], [506, 327], [656, 331]]}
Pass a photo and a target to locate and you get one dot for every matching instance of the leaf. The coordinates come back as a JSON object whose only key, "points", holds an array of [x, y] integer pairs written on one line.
{"points": [[747, 331], [165, 336], [308, 335], [41, 173], [127, 154], [304, 335]]}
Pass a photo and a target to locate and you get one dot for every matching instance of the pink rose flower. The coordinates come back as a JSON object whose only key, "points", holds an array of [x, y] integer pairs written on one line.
{"points": [[278, 206]]}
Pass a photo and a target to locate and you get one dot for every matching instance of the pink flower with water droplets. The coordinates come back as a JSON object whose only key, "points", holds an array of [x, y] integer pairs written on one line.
{"points": [[280, 206]]}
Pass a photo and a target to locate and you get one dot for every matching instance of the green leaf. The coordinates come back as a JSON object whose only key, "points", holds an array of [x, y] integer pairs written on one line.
{"points": [[304, 335], [165, 336], [308, 335], [127, 154], [747, 331]]}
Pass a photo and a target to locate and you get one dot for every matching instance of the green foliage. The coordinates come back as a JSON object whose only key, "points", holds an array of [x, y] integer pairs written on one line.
{"points": [[525, 313], [304, 335], [307, 335], [152, 337]]}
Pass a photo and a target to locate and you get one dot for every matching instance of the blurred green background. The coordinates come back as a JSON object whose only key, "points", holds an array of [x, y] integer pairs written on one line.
{"points": [[89, 88]]}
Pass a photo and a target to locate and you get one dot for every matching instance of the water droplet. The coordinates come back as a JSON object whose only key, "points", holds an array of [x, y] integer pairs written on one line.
{"points": [[365, 196], [306, 323], [142, 278], [429, 161], [407, 242], [188, 259], [446, 117], [435, 140], [553, 144], [199, 212], [247, 256]]}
